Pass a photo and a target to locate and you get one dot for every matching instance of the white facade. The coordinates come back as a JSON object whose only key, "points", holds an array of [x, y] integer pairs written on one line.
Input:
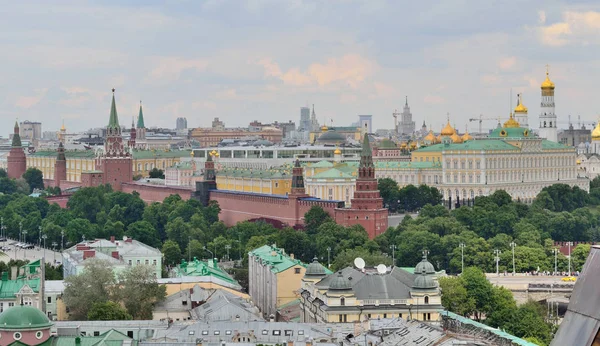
{"points": [[407, 125], [547, 112]]}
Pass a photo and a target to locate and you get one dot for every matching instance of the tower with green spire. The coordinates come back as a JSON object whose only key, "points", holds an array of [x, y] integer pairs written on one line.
{"points": [[113, 146], [16, 161], [141, 129]]}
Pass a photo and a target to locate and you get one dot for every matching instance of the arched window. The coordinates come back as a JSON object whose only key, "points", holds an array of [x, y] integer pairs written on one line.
{"points": [[426, 299], [342, 301]]}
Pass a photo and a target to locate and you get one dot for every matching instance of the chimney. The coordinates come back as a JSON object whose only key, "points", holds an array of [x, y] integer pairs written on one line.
{"points": [[129, 240], [112, 238], [292, 256], [13, 272], [115, 254], [4, 276], [124, 238], [211, 263], [290, 343], [81, 247], [88, 253]]}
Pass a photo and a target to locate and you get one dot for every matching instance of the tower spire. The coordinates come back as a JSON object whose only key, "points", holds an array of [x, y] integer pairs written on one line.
{"points": [[113, 121], [406, 100], [366, 156], [140, 123]]}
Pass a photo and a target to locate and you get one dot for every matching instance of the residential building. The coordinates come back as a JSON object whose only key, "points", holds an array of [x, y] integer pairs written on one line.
{"points": [[30, 130], [274, 278], [352, 295], [183, 173], [208, 137], [181, 124], [120, 254], [23, 285], [209, 268], [55, 306], [407, 124]]}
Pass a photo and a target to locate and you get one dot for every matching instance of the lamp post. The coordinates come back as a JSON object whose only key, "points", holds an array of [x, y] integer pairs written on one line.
{"points": [[227, 247], [393, 248], [462, 257], [328, 253], [212, 253], [2, 228], [20, 230], [62, 239], [44, 236], [189, 250], [39, 236], [512, 245], [555, 250], [570, 243], [54, 244], [25, 241], [497, 252]]}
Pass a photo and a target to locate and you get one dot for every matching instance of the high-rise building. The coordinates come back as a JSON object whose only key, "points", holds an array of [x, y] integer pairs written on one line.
{"points": [[181, 124], [366, 123], [314, 123], [407, 125], [547, 115], [30, 130], [304, 119]]}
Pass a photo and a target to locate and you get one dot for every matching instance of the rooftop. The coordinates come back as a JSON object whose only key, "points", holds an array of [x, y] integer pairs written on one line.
{"points": [[201, 268], [276, 258]]}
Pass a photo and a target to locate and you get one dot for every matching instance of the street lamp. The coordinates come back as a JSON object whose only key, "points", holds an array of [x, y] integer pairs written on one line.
{"points": [[2, 228], [39, 236], [570, 243], [189, 250], [462, 257], [328, 255], [227, 247], [20, 230], [44, 236], [54, 250], [555, 250], [25, 241], [512, 245], [62, 239], [212, 253], [497, 252], [393, 248]]}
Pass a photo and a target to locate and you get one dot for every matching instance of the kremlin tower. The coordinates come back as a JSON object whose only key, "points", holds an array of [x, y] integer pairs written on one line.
{"points": [[60, 166], [547, 116], [132, 135], [141, 131], [16, 160], [521, 112], [115, 163]]}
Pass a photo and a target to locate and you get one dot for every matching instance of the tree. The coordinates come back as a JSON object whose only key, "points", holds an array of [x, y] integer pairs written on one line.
{"points": [[527, 321], [94, 285], [108, 311], [156, 173], [34, 178], [179, 231], [171, 252], [22, 186], [88, 202], [144, 232], [3, 173], [7, 185], [315, 217], [139, 291], [346, 258], [579, 255], [479, 290], [455, 297], [388, 189], [195, 250]]}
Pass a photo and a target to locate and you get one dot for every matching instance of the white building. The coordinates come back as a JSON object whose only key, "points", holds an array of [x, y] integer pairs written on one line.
{"points": [[547, 113], [119, 253], [407, 124]]}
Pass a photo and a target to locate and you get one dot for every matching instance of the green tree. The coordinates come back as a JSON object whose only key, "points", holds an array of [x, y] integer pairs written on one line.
{"points": [[455, 297], [139, 291], [178, 231], [479, 290], [314, 218], [346, 258], [7, 185], [22, 186], [144, 232], [94, 285], [34, 178], [107, 311], [527, 321], [156, 173], [88, 202], [388, 188], [3, 173], [195, 249], [579, 255], [171, 252]]}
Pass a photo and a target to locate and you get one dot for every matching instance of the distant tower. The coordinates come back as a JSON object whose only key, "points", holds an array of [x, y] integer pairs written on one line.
{"points": [[298, 181], [547, 115], [314, 123], [366, 123], [304, 119], [521, 112], [407, 125], [424, 131], [132, 134], [60, 166], [16, 160], [62, 133], [115, 163], [141, 130]]}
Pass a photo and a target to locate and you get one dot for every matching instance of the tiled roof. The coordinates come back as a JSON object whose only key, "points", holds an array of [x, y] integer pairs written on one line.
{"points": [[9, 288], [69, 154], [479, 144], [276, 258], [201, 268], [149, 154]]}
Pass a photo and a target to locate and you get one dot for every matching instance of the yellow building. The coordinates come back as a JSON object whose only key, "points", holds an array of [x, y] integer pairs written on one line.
{"points": [[77, 161], [145, 160], [352, 295], [277, 181], [331, 181], [274, 278]]}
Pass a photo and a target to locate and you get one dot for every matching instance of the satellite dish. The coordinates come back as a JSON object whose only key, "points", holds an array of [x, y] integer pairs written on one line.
{"points": [[359, 263], [381, 268]]}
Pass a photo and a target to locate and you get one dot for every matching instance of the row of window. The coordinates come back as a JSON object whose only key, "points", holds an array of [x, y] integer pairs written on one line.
{"points": [[275, 332]]}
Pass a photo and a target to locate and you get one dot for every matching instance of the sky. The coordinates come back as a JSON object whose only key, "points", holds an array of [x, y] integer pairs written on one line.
{"points": [[264, 59]]}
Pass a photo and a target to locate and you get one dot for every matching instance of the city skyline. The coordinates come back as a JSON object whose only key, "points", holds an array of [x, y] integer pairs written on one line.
{"points": [[266, 59]]}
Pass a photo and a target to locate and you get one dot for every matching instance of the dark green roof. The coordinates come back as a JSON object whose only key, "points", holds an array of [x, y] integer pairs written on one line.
{"points": [[546, 144], [387, 144], [140, 122], [366, 156], [23, 317], [16, 140], [201, 268], [113, 121], [148, 154], [511, 132], [69, 154], [331, 137]]}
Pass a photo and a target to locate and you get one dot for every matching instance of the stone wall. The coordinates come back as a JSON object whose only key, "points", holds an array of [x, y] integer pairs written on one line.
{"points": [[156, 193]]}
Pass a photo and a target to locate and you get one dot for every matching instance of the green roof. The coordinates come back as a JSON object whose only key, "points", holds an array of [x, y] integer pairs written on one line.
{"points": [[148, 154], [387, 144], [140, 123], [511, 132], [16, 140], [113, 121], [9, 288], [69, 154], [321, 164], [546, 144], [201, 268], [111, 337], [276, 173], [406, 164], [477, 144], [23, 317], [331, 174], [277, 258]]}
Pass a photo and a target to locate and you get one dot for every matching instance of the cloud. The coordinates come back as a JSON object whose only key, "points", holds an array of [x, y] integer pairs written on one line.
{"points": [[541, 17], [433, 99], [167, 69], [27, 102], [576, 28], [507, 63]]}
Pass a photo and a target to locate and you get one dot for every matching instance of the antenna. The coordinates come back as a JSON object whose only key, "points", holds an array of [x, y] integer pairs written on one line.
{"points": [[510, 110], [381, 268], [359, 263]]}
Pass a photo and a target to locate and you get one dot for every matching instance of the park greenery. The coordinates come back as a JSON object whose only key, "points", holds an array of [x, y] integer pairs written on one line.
{"points": [[98, 294]]}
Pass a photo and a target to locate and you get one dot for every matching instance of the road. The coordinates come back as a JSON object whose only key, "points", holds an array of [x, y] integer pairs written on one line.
{"points": [[521, 281], [30, 254]]}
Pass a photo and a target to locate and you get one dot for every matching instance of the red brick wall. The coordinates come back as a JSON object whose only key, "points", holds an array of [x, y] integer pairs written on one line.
{"points": [[156, 193], [116, 171], [374, 221], [236, 207], [90, 179], [60, 200], [60, 171], [16, 163]]}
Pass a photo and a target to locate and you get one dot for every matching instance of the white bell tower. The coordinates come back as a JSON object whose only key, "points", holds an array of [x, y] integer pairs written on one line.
{"points": [[548, 125]]}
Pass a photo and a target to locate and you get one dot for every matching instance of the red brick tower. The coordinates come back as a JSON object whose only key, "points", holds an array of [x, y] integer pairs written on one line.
{"points": [[16, 160], [115, 163], [298, 181], [60, 166], [367, 205], [132, 135]]}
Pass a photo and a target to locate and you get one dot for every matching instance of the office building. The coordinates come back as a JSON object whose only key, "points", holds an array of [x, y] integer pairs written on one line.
{"points": [[181, 123], [304, 119], [30, 130]]}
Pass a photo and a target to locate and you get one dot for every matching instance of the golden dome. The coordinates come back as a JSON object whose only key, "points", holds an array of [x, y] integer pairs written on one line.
{"points": [[511, 122], [578, 162], [324, 128], [520, 108], [596, 132], [438, 139], [413, 145], [467, 137], [456, 138], [547, 84], [448, 130], [430, 137], [403, 145], [337, 151], [62, 128]]}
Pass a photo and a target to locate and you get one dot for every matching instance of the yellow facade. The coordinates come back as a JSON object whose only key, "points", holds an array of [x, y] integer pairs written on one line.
{"points": [[273, 181], [288, 282], [77, 162], [418, 156], [146, 160]]}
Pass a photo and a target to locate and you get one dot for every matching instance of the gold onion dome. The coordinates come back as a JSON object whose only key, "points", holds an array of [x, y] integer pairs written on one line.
{"points": [[467, 137], [413, 145], [596, 132], [448, 130], [511, 122], [337, 151], [430, 137], [456, 138], [547, 84], [520, 108], [324, 128], [403, 145], [438, 139]]}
